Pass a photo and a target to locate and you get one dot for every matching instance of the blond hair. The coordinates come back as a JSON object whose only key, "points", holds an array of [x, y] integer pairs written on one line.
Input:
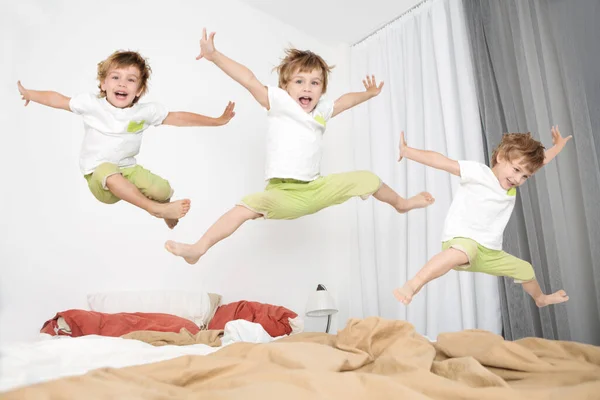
{"points": [[123, 59], [301, 61], [520, 145]]}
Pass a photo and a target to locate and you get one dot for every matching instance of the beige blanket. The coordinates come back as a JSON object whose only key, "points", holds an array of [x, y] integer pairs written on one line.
{"points": [[183, 338], [369, 359]]}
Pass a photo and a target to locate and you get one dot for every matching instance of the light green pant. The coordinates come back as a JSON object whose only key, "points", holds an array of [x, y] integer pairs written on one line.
{"points": [[291, 199], [493, 262], [152, 186]]}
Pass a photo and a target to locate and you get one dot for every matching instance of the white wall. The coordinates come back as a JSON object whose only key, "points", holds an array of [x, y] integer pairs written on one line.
{"points": [[57, 243]]}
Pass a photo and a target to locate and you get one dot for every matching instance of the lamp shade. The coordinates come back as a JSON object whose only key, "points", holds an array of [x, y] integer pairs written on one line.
{"points": [[320, 303]]}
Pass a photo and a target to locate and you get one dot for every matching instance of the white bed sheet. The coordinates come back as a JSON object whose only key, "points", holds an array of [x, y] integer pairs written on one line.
{"points": [[23, 364]]}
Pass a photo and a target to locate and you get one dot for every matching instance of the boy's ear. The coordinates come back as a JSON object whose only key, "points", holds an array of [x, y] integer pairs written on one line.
{"points": [[500, 156]]}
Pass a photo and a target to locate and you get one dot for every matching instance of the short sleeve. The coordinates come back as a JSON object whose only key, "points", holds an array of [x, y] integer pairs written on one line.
{"points": [[154, 113], [83, 103], [324, 108], [277, 99], [471, 171]]}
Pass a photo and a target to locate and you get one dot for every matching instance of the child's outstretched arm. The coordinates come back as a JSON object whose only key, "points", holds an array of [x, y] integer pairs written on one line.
{"points": [[350, 100], [50, 99], [235, 70], [559, 144], [182, 118], [429, 158]]}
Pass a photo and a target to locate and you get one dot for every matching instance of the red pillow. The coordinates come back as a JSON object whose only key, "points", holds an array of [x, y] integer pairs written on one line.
{"points": [[83, 323], [274, 319]]}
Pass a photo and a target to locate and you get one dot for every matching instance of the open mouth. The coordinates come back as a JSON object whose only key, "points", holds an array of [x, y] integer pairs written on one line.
{"points": [[305, 100], [121, 95]]}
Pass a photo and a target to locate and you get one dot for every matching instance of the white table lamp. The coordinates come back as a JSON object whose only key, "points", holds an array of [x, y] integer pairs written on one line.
{"points": [[321, 304]]}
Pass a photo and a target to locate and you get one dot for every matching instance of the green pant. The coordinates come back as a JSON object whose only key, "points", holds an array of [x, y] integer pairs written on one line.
{"points": [[291, 199], [493, 262], [152, 186]]}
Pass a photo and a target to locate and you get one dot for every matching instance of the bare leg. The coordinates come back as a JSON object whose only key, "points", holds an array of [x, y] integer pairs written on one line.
{"points": [[127, 191], [224, 227], [439, 264], [402, 205], [541, 299]]}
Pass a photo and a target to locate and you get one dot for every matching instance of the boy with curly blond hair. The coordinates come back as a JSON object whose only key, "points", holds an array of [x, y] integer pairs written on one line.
{"points": [[482, 206], [297, 116], [114, 122]]}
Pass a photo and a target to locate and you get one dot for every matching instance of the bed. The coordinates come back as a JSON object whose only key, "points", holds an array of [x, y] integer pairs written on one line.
{"points": [[24, 364], [370, 358], [114, 333]]}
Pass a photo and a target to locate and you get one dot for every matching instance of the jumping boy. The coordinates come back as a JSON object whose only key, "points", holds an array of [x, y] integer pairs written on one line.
{"points": [[482, 205], [114, 122], [297, 116]]}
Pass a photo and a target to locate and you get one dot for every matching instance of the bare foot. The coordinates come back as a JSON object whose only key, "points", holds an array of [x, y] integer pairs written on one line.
{"points": [[554, 298], [171, 223], [404, 294], [190, 254], [174, 210], [421, 200]]}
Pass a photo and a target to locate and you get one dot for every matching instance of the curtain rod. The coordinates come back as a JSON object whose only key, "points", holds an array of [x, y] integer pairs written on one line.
{"points": [[419, 4]]}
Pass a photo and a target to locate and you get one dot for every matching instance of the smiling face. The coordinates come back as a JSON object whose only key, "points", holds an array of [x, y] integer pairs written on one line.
{"points": [[511, 173], [306, 88], [122, 86], [516, 158], [303, 75], [123, 78]]}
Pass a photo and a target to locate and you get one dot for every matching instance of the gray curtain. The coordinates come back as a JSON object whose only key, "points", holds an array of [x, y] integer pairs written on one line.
{"points": [[537, 64]]}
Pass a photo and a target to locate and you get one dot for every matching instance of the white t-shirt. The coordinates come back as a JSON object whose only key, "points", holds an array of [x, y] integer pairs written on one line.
{"points": [[113, 134], [294, 137], [481, 207]]}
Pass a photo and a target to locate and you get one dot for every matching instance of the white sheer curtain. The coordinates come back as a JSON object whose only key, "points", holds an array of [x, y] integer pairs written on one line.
{"points": [[429, 92]]}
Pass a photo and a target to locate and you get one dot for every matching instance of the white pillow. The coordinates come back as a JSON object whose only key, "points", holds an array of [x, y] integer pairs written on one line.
{"points": [[195, 306], [297, 325]]}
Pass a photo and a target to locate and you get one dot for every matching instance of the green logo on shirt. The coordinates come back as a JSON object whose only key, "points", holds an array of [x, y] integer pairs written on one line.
{"points": [[319, 118], [134, 126], [512, 192]]}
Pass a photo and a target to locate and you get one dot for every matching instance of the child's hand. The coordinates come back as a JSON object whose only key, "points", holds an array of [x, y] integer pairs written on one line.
{"points": [[24, 93], [227, 114], [207, 46], [557, 139], [403, 147], [371, 85]]}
